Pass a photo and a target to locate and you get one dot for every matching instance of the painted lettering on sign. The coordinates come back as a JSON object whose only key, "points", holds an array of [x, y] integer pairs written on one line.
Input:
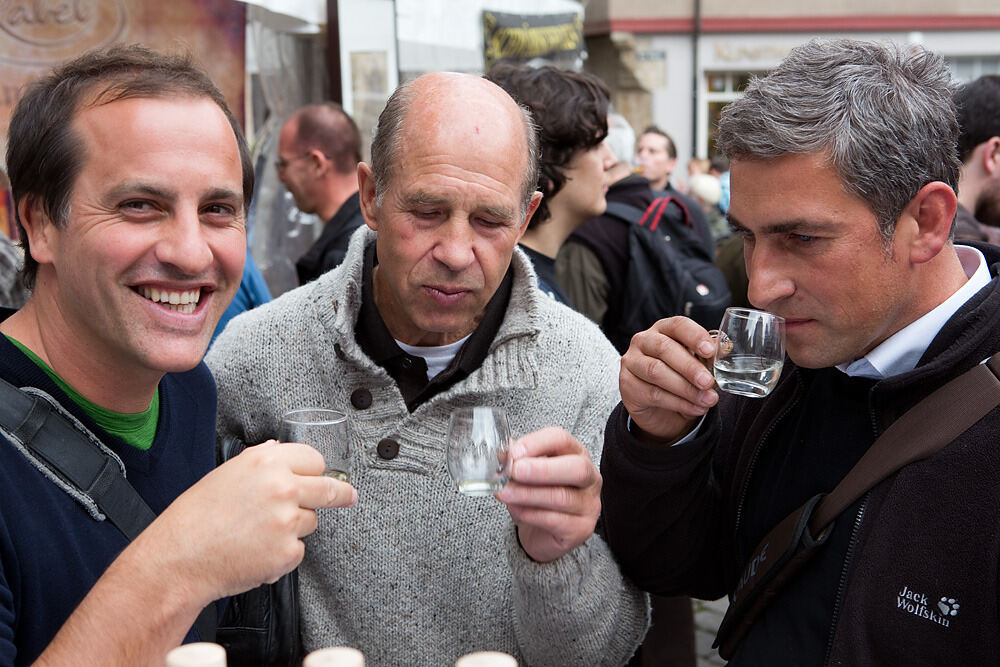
{"points": [[46, 29]]}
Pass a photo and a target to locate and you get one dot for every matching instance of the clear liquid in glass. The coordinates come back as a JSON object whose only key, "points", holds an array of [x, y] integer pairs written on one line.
{"points": [[747, 375], [337, 474], [480, 487]]}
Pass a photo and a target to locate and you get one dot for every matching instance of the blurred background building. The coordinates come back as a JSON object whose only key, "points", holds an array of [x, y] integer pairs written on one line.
{"points": [[675, 64]]}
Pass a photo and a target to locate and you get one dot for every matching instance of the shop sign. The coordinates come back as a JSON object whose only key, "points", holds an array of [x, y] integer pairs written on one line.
{"points": [[521, 37]]}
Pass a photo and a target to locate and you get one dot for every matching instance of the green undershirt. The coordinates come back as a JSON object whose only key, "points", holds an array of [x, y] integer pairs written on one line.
{"points": [[137, 429]]}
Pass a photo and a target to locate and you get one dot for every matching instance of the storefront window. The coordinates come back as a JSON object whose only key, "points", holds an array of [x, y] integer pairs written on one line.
{"points": [[722, 88], [714, 110], [741, 80], [716, 82]]}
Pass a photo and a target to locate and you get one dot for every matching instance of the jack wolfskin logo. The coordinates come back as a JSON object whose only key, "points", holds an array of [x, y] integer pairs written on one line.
{"points": [[948, 606], [916, 603]]}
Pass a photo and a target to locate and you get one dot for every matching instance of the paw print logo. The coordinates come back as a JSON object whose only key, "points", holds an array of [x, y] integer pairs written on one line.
{"points": [[948, 606]]}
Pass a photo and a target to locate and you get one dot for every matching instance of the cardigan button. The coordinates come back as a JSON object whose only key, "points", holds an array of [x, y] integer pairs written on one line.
{"points": [[388, 449], [361, 399]]}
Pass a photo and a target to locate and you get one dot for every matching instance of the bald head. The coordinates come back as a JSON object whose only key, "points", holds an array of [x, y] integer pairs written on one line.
{"points": [[327, 128], [460, 113]]}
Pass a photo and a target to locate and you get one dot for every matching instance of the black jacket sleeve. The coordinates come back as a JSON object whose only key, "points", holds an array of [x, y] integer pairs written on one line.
{"points": [[663, 510]]}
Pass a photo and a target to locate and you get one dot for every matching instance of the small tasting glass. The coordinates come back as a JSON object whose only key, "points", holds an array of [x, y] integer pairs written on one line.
{"points": [[324, 429], [478, 450], [751, 351]]}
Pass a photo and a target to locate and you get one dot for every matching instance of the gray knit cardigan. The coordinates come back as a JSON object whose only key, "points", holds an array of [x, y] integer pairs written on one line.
{"points": [[416, 574]]}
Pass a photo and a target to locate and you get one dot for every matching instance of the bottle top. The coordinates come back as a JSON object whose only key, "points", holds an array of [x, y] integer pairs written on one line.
{"points": [[336, 656], [486, 659], [201, 654]]}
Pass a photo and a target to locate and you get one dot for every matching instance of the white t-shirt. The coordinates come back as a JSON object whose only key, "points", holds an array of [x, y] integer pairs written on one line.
{"points": [[437, 356]]}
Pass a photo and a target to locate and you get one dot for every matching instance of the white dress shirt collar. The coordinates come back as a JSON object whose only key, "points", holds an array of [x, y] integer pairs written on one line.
{"points": [[901, 351]]}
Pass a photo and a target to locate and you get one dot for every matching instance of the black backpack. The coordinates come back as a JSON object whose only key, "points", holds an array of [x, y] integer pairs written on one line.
{"points": [[670, 271]]}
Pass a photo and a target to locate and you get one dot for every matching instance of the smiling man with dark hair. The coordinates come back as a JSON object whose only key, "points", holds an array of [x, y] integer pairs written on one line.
{"points": [[130, 181]]}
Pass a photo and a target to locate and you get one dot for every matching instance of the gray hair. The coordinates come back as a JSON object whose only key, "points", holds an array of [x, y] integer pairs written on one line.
{"points": [[882, 113], [387, 138]]}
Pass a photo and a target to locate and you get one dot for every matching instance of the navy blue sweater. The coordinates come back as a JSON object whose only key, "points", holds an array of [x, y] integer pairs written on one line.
{"points": [[51, 550]]}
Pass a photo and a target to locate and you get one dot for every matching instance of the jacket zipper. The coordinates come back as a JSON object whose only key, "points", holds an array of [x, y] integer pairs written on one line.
{"points": [[851, 544], [753, 462], [842, 586]]}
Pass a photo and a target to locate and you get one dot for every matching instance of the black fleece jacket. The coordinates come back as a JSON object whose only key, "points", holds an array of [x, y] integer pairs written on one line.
{"points": [[910, 574]]}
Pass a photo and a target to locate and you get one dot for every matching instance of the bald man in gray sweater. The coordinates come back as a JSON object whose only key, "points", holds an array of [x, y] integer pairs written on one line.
{"points": [[433, 309]]}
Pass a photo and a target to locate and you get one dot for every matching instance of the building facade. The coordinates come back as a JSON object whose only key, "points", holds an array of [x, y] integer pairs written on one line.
{"points": [[678, 64]]}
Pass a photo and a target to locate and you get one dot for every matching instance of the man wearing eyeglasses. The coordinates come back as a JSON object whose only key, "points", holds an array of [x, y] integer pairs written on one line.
{"points": [[319, 149]]}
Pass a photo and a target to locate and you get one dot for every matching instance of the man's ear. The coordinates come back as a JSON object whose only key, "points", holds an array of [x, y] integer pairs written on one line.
{"points": [[536, 199], [366, 193], [991, 156], [930, 213], [318, 160], [40, 230]]}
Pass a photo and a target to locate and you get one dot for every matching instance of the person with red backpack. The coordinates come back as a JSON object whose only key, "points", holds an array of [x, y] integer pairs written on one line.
{"points": [[644, 258]]}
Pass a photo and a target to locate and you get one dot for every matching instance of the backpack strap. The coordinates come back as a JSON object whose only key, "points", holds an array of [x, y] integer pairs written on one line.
{"points": [[654, 213], [626, 212], [921, 431], [76, 459], [651, 215]]}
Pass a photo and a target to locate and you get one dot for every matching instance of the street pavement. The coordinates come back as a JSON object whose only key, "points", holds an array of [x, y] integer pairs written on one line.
{"points": [[707, 617]]}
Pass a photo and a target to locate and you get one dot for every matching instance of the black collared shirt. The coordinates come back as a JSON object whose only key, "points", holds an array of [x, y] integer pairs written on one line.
{"points": [[330, 248], [410, 371]]}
